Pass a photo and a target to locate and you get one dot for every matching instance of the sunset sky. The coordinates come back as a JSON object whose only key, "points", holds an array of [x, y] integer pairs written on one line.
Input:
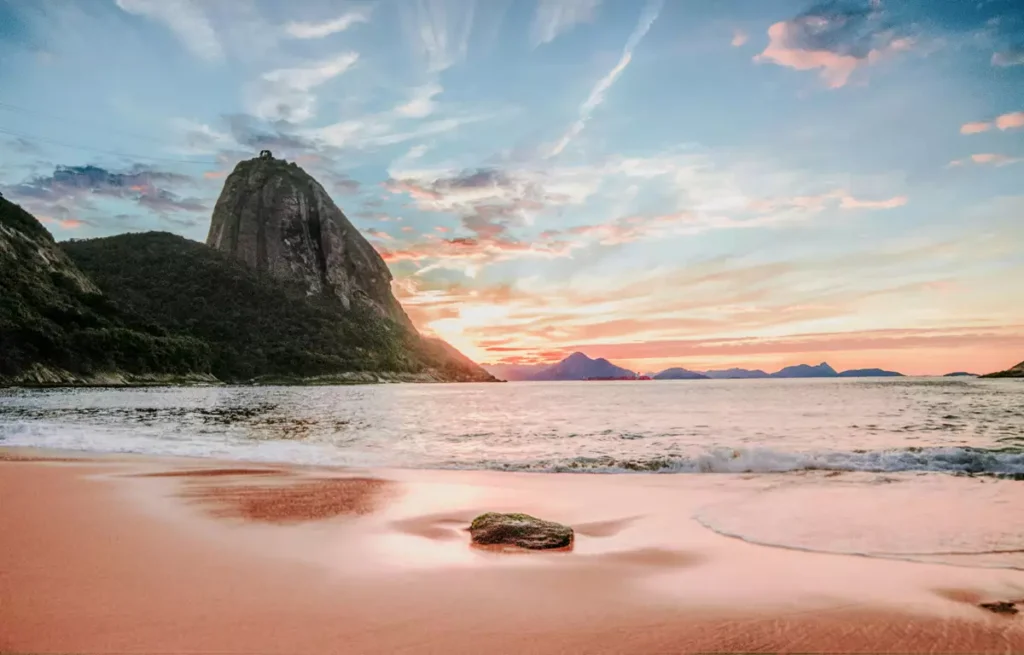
{"points": [[682, 183]]}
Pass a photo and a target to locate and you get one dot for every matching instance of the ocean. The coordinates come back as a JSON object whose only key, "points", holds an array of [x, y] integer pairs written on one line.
{"points": [[951, 425]]}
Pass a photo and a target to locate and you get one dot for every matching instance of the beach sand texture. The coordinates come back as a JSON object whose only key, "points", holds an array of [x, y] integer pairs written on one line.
{"points": [[143, 555]]}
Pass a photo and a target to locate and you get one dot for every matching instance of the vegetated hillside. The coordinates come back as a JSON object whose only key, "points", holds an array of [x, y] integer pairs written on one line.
{"points": [[57, 327], [256, 325], [1012, 372]]}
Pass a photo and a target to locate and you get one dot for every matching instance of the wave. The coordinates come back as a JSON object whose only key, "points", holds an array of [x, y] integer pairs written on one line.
{"points": [[145, 440], [1007, 463]]}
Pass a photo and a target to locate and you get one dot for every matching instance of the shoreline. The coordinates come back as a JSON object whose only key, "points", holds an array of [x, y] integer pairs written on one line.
{"points": [[114, 553]]}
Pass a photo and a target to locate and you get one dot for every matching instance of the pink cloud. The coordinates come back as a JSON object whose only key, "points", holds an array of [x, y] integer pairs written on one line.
{"points": [[975, 128], [739, 37], [986, 158], [836, 68], [66, 223], [1010, 121], [849, 202]]}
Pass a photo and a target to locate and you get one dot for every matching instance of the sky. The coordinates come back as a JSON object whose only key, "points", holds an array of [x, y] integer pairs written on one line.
{"points": [[751, 183]]}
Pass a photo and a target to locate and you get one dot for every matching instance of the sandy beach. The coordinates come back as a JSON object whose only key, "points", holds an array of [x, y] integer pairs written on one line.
{"points": [[105, 554]]}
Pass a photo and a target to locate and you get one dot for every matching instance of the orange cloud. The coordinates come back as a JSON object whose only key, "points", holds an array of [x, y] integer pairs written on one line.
{"points": [[975, 128], [65, 223], [1010, 121], [214, 175]]}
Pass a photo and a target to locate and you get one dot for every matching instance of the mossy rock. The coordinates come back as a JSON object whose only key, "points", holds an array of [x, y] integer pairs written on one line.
{"points": [[520, 530]]}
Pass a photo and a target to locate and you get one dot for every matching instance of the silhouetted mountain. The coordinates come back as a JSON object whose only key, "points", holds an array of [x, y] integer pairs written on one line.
{"points": [[514, 372], [679, 374], [960, 374], [578, 366], [736, 374], [822, 370], [869, 373], [1014, 372]]}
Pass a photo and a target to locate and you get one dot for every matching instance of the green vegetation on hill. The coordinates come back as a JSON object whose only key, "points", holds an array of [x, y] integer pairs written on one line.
{"points": [[256, 325], [52, 316]]}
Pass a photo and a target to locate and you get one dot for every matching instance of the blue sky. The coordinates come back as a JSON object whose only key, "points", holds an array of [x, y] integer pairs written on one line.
{"points": [[689, 183]]}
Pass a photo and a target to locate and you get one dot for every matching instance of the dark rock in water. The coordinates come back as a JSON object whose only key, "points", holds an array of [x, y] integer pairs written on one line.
{"points": [[277, 218], [520, 530], [1000, 607]]}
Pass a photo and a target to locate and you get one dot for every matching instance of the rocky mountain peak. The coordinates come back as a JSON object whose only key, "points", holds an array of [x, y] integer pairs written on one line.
{"points": [[277, 218]]}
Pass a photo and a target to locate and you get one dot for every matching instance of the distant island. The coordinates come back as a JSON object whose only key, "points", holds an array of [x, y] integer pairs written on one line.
{"points": [[579, 366], [959, 374]]}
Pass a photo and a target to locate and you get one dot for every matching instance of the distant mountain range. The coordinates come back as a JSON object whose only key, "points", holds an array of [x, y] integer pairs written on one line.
{"points": [[578, 366]]}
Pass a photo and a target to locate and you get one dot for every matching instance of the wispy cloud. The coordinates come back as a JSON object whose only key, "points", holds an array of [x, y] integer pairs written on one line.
{"points": [[329, 27], [986, 158], [1009, 57], [438, 30], [286, 93], [597, 94], [739, 38], [555, 17], [186, 19], [422, 103], [837, 39], [1009, 121]]}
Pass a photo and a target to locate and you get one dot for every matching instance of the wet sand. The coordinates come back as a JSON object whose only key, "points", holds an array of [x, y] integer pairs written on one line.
{"points": [[141, 555]]}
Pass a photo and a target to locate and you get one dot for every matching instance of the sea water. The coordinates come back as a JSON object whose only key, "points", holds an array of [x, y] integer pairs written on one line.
{"points": [[953, 425]]}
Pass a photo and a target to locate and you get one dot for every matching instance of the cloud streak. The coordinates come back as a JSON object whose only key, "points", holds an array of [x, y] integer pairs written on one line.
{"points": [[186, 19], [597, 94], [326, 28], [287, 93], [555, 17]]}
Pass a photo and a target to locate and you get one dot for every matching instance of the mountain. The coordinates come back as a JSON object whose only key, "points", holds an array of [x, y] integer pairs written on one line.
{"points": [[514, 372], [578, 366], [679, 374], [1013, 372], [57, 327], [275, 217], [959, 374], [735, 374], [822, 370], [869, 373], [138, 308]]}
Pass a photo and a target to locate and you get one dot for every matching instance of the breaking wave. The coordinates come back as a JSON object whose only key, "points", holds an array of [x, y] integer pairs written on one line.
{"points": [[1008, 463]]}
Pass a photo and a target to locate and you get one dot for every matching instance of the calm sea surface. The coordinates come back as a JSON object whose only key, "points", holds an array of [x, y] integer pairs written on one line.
{"points": [[908, 424]]}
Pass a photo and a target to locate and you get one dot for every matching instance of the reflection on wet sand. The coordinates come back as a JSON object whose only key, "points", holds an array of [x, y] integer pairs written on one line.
{"points": [[100, 561]]}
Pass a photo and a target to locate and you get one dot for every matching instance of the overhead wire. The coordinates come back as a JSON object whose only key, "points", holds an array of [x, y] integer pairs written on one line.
{"points": [[7, 106], [104, 151]]}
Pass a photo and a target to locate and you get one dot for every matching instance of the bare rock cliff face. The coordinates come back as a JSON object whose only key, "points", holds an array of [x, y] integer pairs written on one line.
{"points": [[277, 218]]}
